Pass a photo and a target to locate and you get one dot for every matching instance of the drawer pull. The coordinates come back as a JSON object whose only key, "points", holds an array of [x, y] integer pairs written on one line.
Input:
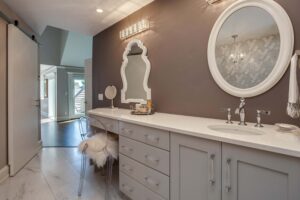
{"points": [[127, 188], [127, 149], [127, 131], [109, 126], [152, 159], [151, 182], [152, 138], [127, 168], [212, 169], [228, 175]]}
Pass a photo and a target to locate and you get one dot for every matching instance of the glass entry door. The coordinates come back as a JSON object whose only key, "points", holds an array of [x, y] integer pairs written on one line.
{"points": [[76, 95]]}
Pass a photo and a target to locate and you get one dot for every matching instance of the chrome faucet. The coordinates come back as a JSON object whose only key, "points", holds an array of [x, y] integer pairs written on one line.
{"points": [[241, 112]]}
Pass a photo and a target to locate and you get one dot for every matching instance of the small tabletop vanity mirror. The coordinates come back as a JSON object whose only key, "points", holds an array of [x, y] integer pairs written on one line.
{"points": [[111, 93], [250, 47], [135, 72]]}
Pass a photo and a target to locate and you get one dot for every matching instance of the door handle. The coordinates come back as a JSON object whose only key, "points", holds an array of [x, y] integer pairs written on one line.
{"points": [[212, 169], [228, 175]]}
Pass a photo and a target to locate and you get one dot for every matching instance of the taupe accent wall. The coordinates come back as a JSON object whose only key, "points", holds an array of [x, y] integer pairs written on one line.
{"points": [[3, 93], [177, 48]]}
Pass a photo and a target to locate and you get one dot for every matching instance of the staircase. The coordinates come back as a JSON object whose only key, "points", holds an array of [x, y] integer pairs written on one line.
{"points": [[80, 102]]}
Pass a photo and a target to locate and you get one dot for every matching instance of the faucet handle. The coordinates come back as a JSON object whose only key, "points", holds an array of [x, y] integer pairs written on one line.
{"points": [[258, 117], [229, 116]]}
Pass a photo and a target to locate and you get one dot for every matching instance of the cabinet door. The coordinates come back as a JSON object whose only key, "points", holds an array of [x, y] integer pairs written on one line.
{"points": [[195, 168], [250, 174]]}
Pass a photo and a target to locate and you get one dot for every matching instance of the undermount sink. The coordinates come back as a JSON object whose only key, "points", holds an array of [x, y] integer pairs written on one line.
{"points": [[234, 129]]}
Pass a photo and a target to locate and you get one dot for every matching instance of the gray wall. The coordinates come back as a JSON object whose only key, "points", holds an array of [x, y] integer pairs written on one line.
{"points": [[177, 47], [60, 47], [51, 46]]}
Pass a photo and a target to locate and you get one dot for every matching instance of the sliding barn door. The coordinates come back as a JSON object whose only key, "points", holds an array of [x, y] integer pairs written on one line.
{"points": [[23, 108]]}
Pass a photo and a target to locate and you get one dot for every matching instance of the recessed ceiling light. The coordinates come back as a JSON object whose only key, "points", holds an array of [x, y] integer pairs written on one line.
{"points": [[99, 10]]}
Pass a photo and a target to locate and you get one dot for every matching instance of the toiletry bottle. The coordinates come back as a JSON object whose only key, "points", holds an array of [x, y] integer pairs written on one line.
{"points": [[149, 105]]}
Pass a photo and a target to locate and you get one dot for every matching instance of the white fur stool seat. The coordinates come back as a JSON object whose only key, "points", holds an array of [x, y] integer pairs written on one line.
{"points": [[99, 147]]}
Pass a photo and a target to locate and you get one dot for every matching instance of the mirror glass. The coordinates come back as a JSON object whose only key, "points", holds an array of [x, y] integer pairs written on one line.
{"points": [[247, 47], [135, 73], [135, 69]]}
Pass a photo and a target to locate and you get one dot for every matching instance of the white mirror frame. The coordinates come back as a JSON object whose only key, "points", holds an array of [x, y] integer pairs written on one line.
{"points": [[286, 47], [147, 73]]}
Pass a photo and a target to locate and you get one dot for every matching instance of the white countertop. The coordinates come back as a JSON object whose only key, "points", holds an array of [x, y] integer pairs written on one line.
{"points": [[272, 140]]}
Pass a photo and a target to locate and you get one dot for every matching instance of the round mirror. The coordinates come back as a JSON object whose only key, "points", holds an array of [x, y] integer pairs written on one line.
{"points": [[110, 92], [250, 47]]}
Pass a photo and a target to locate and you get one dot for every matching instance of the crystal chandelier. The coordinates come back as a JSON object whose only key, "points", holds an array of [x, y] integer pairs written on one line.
{"points": [[236, 56]]}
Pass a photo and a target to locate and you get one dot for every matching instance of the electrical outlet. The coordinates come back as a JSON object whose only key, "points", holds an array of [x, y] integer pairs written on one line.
{"points": [[100, 97]]}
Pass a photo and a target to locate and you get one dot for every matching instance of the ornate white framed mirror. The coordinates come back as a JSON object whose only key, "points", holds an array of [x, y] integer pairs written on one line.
{"points": [[135, 72], [250, 47]]}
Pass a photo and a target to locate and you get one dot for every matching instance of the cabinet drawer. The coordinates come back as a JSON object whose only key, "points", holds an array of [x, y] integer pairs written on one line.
{"points": [[151, 136], [153, 157], [136, 191], [153, 180], [111, 124]]}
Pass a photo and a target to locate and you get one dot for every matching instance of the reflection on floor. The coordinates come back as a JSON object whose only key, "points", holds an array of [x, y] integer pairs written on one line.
{"points": [[54, 175], [61, 134]]}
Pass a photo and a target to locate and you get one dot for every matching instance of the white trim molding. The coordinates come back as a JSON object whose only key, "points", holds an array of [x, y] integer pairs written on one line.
{"points": [[286, 32], [147, 73], [4, 173]]}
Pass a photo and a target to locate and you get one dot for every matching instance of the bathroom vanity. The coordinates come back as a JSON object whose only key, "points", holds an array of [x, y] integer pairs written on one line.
{"points": [[165, 156], [173, 157]]}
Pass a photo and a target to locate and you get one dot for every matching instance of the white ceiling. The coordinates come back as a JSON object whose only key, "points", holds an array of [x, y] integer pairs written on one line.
{"points": [[74, 15], [247, 23]]}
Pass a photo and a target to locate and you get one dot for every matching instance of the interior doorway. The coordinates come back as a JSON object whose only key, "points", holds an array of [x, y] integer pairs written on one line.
{"points": [[62, 104], [76, 95]]}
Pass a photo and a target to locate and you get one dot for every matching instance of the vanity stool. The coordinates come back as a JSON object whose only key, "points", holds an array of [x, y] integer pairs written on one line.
{"points": [[100, 147]]}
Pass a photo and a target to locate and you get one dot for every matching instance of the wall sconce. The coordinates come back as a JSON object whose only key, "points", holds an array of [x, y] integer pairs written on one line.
{"points": [[134, 29], [212, 1]]}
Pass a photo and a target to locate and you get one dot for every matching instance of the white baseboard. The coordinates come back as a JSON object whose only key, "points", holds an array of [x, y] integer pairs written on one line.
{"points": [[4, 173]]}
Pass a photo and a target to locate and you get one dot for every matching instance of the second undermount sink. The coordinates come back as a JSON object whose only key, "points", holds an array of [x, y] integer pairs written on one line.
{"points": [[235, 129]]}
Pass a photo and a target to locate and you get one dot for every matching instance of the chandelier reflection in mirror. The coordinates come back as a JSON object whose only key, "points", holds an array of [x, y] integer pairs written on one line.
{"points": [[236, 56]]}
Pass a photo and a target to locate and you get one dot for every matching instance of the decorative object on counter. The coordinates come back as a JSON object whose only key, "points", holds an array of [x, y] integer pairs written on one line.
{"points": [[134, 29], [286, 127], [293, 106], [258, 117], [143, 109], [135, 72], [250, 47], [111, 93]]}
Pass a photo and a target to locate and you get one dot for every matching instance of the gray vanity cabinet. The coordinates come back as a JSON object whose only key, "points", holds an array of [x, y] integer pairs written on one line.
{"points": [[250, 174], [195, 168]]}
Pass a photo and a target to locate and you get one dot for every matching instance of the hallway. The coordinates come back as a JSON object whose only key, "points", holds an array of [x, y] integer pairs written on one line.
{"points": [[54, 175], [61, 134]]}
